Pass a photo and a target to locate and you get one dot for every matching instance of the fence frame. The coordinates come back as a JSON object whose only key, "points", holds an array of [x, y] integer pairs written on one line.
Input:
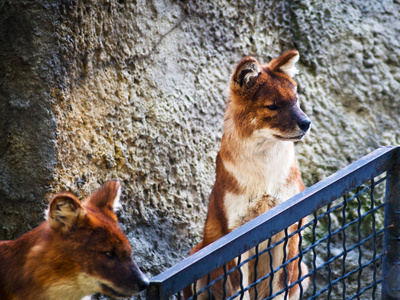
{"points": [[391, 238], [282, 216]]}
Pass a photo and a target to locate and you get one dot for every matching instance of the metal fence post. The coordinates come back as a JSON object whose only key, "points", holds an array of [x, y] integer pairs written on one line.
{"points": [[391, 240]]}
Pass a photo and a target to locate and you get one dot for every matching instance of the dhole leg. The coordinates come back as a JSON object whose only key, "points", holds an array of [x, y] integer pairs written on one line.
{"points": [[224, 287], [292, 269], [294, 273], [231, 285]]}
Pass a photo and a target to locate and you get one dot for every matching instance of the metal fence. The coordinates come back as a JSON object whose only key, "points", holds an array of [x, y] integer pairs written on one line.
{"points": [[350, 250]]}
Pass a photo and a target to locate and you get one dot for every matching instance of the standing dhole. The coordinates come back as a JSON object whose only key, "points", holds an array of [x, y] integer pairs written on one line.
{"points": [[79, 250], [256, 169]]}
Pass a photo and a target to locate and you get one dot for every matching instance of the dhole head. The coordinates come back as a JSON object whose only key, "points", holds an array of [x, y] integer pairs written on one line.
{"points": [[90, 246], [263, 99]]}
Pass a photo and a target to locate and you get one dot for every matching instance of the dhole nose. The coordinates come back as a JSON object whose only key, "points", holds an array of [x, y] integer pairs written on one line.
{"points": [[143, 283], [141, 280], [304, 124]]}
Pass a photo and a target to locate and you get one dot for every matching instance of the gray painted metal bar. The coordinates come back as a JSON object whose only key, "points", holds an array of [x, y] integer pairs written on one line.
{"points": [[391, 240], [273, 221]]}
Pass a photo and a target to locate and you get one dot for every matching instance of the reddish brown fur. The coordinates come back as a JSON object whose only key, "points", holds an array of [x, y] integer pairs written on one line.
{"points": [[261, 97], [77, 240]]}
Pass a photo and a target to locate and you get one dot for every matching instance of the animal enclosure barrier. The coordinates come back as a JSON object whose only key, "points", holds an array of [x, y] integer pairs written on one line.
{"points": [[351, 252]]}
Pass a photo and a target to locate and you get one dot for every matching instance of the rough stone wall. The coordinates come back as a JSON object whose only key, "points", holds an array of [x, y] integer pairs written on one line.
{"points": [[134, 90], [350, 82], [28, 71]]}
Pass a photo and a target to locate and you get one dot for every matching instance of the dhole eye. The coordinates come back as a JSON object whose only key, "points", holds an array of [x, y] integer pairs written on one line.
{"points": [[272, 107], [109, 254]]}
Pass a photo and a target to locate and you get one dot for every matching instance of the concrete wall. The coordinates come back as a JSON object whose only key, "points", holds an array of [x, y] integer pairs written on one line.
{"points": [[28, 72], [134, 90]]}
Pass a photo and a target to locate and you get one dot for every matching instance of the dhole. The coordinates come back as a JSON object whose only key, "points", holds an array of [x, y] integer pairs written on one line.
{"points": [[79, 250], [256, 169]]}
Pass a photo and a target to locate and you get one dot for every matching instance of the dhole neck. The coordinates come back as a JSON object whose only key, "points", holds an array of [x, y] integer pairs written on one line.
{"points": [[258, 169], [235, 149]]}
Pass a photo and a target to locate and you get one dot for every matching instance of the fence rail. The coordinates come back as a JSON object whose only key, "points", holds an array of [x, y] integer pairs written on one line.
{"points": [[351, 200]]}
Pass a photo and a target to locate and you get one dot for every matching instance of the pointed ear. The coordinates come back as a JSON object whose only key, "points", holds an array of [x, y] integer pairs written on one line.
{"points": [[285, 63], [246, 72], [106, 197], [65, 210]]}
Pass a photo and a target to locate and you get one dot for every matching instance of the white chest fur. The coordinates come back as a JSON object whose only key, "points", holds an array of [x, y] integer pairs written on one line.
{"points": [[262, 171]]}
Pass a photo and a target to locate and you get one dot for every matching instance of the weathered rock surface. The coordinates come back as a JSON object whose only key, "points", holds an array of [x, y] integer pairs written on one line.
{"points": [[134, 90], [28, 72]]}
